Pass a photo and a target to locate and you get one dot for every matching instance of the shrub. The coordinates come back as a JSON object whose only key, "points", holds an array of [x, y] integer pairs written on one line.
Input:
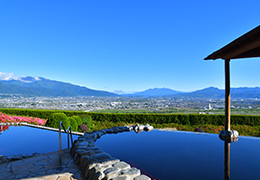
{"points": [[73, 124], [78, 120], [83, 128], [176, 120], [17, 119], [55, 119], [87, 120], [193, 119]]}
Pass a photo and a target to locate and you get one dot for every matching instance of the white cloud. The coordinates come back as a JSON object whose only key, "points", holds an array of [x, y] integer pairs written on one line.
{"points": [[10, 76], [6, 76]]}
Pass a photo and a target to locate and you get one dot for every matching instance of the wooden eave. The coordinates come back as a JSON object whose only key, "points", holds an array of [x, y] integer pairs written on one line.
{"points": [[246, 46]]}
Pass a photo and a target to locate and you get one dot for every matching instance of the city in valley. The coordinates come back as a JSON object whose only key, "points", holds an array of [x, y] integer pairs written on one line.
{"points": [[131, 104]]}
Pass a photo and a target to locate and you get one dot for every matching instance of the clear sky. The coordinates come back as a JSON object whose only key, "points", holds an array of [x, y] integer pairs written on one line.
{"points": [[129, 45]]}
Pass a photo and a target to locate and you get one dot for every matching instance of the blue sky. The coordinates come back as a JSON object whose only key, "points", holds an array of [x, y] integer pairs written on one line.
{"points": [[129, 45]]}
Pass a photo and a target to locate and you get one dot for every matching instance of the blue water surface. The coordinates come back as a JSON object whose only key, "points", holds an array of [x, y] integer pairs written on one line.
{"points": [[184, 155], [27, 140]]}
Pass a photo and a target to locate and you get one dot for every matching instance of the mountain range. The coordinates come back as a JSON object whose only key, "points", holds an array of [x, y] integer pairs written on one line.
{"points": [[210, 92], [154, 92], [39, 86]]}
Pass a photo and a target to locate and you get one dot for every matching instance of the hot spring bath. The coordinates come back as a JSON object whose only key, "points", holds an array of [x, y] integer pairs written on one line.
{"points": [[184, 155]]}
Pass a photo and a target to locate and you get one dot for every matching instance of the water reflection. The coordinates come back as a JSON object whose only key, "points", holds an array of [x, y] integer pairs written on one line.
{"points": [[227, 156], [3, 128], [186, 155], [227, 161], [140, 128], [28, 140]]}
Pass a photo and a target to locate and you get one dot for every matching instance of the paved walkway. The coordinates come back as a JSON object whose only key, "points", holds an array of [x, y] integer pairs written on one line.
{"points": [[45, 167]]}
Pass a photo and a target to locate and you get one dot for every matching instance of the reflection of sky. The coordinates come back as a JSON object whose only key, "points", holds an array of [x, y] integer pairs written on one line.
{"points": [[184, 155], [28, 140], [244, 157]]}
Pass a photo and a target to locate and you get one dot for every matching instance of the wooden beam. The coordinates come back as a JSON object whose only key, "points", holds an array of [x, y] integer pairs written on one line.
{"points": [[241, 45], [249, 54], [227, 95], [240, 49]]}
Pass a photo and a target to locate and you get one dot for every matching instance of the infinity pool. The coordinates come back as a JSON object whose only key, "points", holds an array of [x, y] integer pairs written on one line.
{"points": [[185, 155], [27, 140]]}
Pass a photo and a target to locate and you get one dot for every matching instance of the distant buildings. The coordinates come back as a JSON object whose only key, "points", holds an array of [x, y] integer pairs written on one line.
{"points": [[83, 103]]}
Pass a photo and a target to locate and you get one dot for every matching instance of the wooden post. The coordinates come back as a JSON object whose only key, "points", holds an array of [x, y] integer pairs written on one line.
{"points": [[227, 95]]}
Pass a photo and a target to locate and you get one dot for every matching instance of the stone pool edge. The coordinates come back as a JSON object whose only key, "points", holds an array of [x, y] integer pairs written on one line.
{"points": [[96, 164], [41, 127]]}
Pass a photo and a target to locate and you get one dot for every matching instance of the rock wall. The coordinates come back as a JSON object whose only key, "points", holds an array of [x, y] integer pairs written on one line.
{"points": [[96, 164]]}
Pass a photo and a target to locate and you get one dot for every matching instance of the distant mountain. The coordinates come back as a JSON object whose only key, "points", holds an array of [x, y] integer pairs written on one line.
{"points": [[210, 92], [213, 92], [245, 92], [154, 92], [40, 86]]}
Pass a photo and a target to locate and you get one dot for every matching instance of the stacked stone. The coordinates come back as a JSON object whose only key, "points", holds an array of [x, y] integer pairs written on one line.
{"points": [[10, 124], [96, 164]]}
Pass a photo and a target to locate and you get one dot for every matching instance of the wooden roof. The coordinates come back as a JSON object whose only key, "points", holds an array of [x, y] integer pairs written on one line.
{"points": [[245, 46]]}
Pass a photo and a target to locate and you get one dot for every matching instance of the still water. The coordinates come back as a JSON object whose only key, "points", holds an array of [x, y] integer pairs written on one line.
{"points": [[185, 155], [27, 140]]}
